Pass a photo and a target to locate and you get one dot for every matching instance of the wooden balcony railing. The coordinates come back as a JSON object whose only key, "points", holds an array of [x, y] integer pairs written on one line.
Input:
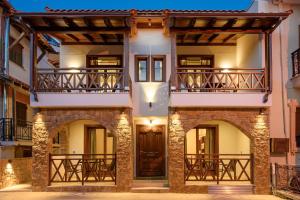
{"points": [[287, 177], [220, 80], [218, 167], [82, 168], [81, 79], [10, 131], [296, 62]]}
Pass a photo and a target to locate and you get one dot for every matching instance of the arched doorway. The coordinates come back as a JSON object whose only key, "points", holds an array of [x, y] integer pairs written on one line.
{"points": [[82, 151], [217, 151]]}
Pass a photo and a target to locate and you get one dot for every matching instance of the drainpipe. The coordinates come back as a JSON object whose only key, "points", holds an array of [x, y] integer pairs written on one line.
{"points": [[6, 64]]}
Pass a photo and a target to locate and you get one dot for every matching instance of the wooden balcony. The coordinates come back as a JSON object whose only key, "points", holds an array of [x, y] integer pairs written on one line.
{"points": [[296, 68], [82, 168], [220, 80], [82, 87], [218, 87], [81, 79], [219, 167]]}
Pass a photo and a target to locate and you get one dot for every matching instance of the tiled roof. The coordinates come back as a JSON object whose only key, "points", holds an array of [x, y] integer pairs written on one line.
{"points": [[50, 10]]}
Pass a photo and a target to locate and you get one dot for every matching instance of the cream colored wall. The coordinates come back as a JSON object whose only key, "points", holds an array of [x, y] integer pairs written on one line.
{"points": [[150, 42], [224, 56], [231, 139], [76, 136], [22, 72], [249, 51], [75, 55]]}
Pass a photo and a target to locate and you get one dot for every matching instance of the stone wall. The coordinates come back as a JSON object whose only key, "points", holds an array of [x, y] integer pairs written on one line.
{"points": [[15, 171], [47, 122], [249, 121]]}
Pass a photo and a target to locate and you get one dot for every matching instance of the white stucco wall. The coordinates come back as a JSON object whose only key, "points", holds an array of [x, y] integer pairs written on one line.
{"points": [[249, 51], [224, 56], [74, 56], [150, 42], [22, 72]]}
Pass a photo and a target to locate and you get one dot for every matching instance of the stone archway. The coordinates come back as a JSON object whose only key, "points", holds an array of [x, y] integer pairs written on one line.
{"points": [[48, 121], [249, 121]]}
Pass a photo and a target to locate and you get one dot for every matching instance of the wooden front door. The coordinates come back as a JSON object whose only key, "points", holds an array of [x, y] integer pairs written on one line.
{"points": [[150, 151]]}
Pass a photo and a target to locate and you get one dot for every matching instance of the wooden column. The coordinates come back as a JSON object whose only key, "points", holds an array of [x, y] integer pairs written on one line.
{"points": [[268, 61], [33, 60], [126, 59], [173, 60]]}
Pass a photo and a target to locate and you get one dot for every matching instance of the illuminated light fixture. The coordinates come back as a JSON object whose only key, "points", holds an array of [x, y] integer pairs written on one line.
{"points": [[149, 23], [261, 111]]}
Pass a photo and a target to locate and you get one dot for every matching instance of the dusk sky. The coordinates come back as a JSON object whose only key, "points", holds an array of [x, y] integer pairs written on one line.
{"points": [[39, 5]]}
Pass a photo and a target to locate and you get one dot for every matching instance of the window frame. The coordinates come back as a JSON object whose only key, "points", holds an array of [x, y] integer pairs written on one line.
{"points": [[17, 46], [158, 57], [137, 59]]}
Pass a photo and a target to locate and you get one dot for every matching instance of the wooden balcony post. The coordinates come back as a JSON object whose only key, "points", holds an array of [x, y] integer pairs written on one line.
{"points": [[126, 60], [173, 61], [33, 61], [268, 61]]}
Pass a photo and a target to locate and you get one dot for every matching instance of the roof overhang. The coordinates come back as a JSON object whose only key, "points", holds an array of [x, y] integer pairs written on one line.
{"points": [[108, 26]]}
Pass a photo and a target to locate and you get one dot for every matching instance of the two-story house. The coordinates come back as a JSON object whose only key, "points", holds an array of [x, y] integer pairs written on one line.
{"points": [[187, 96], [16, 113]]}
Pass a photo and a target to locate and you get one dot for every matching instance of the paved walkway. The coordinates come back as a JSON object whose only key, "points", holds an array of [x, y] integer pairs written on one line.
{"points": [[125, 196]]}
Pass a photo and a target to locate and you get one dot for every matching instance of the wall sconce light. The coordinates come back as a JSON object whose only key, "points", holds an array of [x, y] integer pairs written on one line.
{"points": [[150, 104], [261, 111], [149, 23]]}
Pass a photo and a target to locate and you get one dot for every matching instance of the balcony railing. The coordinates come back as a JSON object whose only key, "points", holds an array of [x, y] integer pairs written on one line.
{"points": [[82, 168], [10, 131], [220, 80], [218, 167], [296, 62], [81, 79]]}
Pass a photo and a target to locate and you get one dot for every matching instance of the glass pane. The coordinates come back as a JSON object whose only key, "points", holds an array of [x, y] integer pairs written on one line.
{"points": [[142, 70], [158, 67]]}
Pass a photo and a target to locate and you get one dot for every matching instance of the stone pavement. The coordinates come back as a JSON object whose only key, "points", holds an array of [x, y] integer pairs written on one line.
{"points": [[125, 196]]}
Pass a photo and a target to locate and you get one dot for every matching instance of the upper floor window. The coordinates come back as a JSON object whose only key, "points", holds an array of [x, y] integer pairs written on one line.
{"points": [[142, 68], [16, 53], [96, 61], [204, 61], [157, 68]]}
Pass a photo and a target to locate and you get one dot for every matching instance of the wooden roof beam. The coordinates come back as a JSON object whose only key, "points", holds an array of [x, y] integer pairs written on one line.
{"points": [[69, 22], [192, 22], [228, 38], [211, 22], [73, 37], [229, 23], [249, 23], [88, 22], [103, 37], [198, 37], [88, 37], [212, 37], [78, 29], [49, 21], [107, 22]]}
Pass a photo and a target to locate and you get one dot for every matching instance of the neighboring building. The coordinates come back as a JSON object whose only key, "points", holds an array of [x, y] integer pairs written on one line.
{"points": [[191, 97], [16, 113]]}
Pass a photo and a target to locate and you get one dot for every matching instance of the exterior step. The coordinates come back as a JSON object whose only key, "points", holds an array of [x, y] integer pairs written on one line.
{"points": [[222, 189], [150, 189], [149, 183]]}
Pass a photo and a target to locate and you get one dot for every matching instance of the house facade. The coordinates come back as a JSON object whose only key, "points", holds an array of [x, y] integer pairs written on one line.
{"points": [[191, 97]]}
